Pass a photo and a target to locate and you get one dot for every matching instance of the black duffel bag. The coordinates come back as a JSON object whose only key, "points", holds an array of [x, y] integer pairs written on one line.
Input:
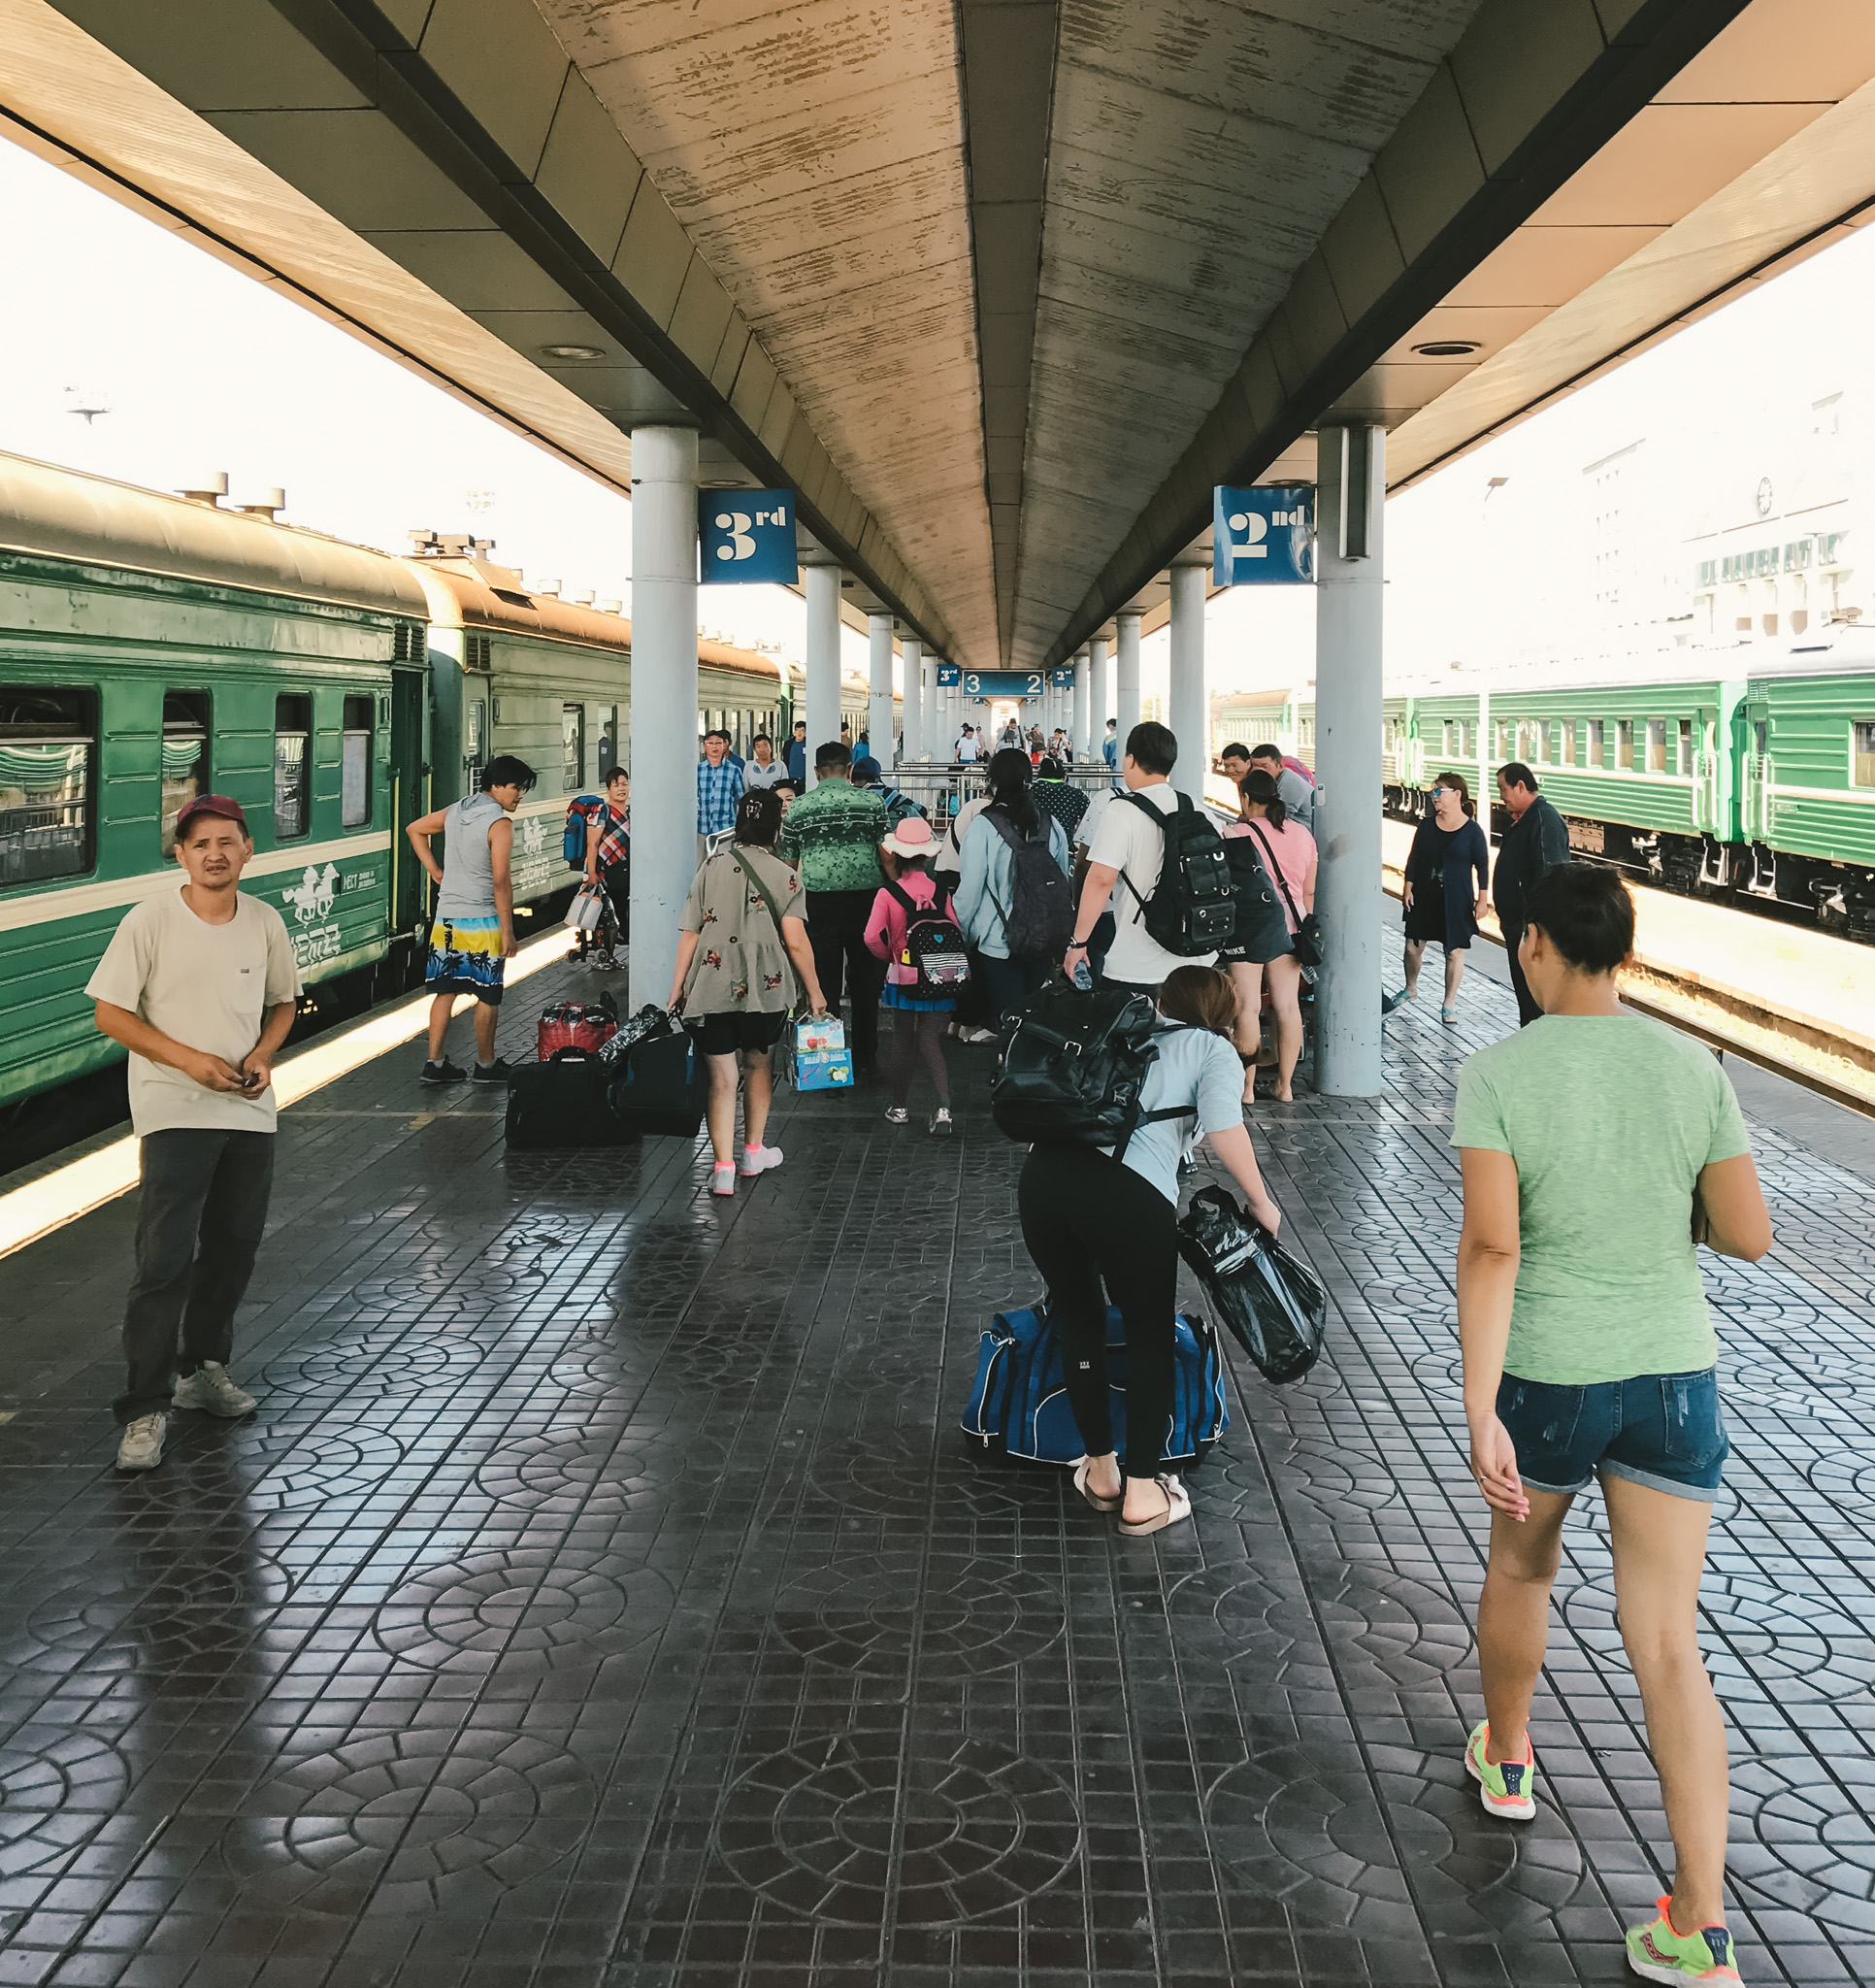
{"points": [[663, 1086], [1275, 1304], [562, 1104]]}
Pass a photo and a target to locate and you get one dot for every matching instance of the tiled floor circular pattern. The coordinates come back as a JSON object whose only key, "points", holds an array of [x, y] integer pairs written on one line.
{"points": [[1803, 1841], [407, 1817], [1762, 1641], [1846, 1477], [541, 1602], [589, 1471], [974, 1618], [326, 1465], [126, 1617], [1413, 1633], [831, 1829], [59, 1785], [891, 1481], [1332, 1479], [383, 1361]]}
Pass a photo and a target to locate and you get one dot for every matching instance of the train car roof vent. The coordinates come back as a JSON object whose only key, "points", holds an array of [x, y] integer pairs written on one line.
{"points": [[612, 607], [206, 489], [423, 542], [268, 506], [581, 600], [549, 587]]}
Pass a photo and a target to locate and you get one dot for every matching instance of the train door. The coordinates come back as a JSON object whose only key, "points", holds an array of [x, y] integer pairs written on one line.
{"points": [[410, 796], [1760, 773], [1706, 769]]}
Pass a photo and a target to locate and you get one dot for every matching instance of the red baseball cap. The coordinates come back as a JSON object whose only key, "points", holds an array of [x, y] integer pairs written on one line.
{"points": [[211, 804]]}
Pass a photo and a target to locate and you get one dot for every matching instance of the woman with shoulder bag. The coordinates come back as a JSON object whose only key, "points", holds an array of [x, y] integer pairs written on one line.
{"points": [[1272, 944], [742, 949], [1436, 896], [1100, 1224]]}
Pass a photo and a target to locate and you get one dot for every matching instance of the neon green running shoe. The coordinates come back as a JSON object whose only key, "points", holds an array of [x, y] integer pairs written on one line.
{"points": [[1656, 1953], [1507, 1788]]}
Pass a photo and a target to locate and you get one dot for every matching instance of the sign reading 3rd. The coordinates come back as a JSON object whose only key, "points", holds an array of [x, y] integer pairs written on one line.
{"points": [[747, 536]]}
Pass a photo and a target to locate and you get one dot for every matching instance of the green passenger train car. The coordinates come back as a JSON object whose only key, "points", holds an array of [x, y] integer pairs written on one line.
{"points": [[152, 650]]}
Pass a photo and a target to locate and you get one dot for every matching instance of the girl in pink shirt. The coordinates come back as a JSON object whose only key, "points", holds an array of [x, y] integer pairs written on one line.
{"points": [[918, 1030]]}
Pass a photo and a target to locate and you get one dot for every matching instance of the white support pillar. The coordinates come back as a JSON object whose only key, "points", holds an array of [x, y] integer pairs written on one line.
{"points": [[913, 675], [1349, 599], [664, 701], [933, 744], [879, 725], [1083, 707], [1101, 661], [1126, 696], [823, 660], [1186, 708], [1483, 790]]}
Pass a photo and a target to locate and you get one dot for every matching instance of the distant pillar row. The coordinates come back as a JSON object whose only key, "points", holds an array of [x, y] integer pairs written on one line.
{"points": [[1349, 594], [1101, 662], [880, 726], [1083, 706], [664, 701], [823, 660], [1126, 696]]}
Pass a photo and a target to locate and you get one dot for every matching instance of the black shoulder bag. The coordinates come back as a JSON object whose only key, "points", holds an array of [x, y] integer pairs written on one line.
{"points": [[1306, 938]]}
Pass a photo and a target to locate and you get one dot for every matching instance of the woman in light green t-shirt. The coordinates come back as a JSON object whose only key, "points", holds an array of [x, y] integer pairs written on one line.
{"points": [[1595, 1148]]}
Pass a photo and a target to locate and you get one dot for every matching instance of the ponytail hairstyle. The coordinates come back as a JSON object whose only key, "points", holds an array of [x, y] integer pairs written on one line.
{"points": [[1203, 998], [758, 818], [1458, 785], [1259, 790], [1012, 778]]}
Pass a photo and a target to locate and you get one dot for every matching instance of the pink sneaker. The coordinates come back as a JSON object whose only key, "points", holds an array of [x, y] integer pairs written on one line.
{"points": [[758, 1159], [722, 1179]]}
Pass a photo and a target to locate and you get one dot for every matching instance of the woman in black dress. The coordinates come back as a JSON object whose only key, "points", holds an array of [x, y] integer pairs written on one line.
{"points": [[1439, 900]]}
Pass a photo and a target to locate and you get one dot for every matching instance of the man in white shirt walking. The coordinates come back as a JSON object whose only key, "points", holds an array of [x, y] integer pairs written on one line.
{"points": [[200, 985], [1126, 851]]}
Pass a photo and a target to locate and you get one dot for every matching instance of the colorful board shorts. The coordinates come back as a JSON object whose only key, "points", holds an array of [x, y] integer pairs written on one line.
{"points": [[466, 958]]}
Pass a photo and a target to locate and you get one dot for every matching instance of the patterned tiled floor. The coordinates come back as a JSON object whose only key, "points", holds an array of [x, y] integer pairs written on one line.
{"points": [[603, 1593]]}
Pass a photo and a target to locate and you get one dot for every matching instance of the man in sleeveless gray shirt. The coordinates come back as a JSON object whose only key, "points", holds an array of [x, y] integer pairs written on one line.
{"points": [[472, 938]]}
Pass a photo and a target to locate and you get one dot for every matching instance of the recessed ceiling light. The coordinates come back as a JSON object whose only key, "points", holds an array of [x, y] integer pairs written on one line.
{"points": [[1448, 348], [573, 351]]}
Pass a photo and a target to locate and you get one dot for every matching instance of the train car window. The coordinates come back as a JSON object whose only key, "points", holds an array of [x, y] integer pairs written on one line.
{"points": [[1864, 759], [354, 762], [1760, 737], [1656, 744], [608, 741], [475, 744], [1625, 743], [1597, 742], [48, 753], [573, 746], [185, 757], [1686, 745], [292, 767]]}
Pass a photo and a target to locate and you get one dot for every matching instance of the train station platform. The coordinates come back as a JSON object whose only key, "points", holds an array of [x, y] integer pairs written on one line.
{"points": [[603, 1593]]}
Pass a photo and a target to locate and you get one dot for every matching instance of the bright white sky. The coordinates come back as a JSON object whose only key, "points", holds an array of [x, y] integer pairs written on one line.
{"points": [[203, 368]]}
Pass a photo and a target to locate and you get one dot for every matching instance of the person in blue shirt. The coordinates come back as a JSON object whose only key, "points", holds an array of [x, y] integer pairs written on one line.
{"points": [[719, 788], [986, 887], [798, 755], [1111, 750]]}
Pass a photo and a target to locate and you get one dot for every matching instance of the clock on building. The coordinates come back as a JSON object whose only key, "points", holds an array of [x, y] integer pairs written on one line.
{"points": [[1763, 496]]}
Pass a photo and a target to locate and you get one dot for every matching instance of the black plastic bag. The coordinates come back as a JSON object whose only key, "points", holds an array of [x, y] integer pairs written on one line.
{"points": [[1275, 1305], [650, 1020]]}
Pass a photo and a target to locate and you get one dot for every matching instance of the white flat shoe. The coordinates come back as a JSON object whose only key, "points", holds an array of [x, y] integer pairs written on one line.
{"points": [[1178, 1505]]}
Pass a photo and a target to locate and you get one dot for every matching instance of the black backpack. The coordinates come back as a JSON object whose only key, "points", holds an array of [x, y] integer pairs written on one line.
{"points": [[934, 948], [1193, 908], [1039, 920], [1074, 1065]]}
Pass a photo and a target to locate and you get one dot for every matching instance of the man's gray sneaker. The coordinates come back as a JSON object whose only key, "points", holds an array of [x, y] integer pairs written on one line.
{"points": [[210, 1388], [141, 1448]]}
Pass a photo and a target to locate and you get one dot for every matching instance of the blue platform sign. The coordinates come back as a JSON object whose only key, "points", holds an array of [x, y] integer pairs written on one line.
{"points": [[1262, 535], [1063, 678], [747, 536], [949, 675], [1002, 683]]}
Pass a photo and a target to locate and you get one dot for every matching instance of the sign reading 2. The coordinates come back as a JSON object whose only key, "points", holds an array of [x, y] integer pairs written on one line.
{"points": [[1001, 682]]}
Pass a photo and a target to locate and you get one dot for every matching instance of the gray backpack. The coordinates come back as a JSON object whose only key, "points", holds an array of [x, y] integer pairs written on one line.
{"points": [[1038, 919]]}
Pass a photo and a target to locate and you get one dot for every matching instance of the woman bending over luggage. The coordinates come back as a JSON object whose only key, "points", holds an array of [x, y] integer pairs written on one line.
{"points": [[1084, 1218], [921, 1008], [742, 947], [1597, 1148], [1263, 946]]}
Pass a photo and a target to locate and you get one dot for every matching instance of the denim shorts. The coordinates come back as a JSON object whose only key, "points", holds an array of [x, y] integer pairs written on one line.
{"points": [[1661, 1429]]}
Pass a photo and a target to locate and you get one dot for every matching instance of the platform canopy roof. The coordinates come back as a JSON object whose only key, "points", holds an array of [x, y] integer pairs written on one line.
{"points": [[1002, 287]]}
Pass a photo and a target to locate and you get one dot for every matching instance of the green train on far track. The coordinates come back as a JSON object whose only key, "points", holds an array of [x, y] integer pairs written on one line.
{"points": [[152, 649], [1757, 786]]}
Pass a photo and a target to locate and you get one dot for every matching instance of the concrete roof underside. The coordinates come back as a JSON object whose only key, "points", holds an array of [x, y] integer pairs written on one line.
{"points": [[1002, 287]]}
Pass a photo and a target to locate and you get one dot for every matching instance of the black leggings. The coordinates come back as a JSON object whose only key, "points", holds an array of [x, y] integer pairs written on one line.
{"points": [[918, 1033], [1085, 1217]]}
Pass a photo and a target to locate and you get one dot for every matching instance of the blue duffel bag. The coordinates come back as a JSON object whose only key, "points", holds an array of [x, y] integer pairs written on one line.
{"points": [[1019, 1404]]}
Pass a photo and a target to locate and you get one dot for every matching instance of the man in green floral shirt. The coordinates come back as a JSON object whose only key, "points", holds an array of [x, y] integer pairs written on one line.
{"points": [[832, 834]]}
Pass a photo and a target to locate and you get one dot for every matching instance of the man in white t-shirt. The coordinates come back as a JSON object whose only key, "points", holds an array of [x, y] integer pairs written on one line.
{"points": [[200, 985], [1122, 862]]}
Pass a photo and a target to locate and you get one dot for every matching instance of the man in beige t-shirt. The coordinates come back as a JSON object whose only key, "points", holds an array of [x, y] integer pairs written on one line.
{"points": [[199, 984]]}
